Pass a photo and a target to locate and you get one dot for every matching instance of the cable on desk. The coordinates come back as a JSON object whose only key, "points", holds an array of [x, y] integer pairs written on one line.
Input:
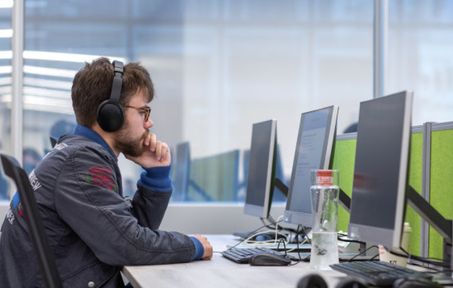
{"points": [[275, 230], [302, 231], [256, 233], [284, 246], [279, 219], [361, 253], [272, 224], [349, 240], [293, 262], [243, 240]]}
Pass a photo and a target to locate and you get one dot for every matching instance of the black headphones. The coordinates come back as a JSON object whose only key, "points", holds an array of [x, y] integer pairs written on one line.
{"points": [[110, 113]]}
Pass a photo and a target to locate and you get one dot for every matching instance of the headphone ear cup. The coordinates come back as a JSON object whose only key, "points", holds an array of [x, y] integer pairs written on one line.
{"points": [[350, 283], [312, 281], [110, 116]]}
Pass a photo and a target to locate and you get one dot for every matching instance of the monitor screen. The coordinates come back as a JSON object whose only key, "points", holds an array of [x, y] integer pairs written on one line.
{"points": [[378, 192], [181, 172], [261, 166], [313, 150]]}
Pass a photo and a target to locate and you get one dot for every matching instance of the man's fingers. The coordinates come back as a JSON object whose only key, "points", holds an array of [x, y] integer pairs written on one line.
{"points": [[208, 253], [153, 142], [147, 139], [165, 152]]}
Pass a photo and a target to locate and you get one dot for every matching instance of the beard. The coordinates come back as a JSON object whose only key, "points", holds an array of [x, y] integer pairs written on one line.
{"points": [[127, 145]]}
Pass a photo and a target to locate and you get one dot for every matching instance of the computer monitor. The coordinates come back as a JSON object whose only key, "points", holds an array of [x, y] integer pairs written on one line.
{"points": [[378, 192], [181, 171], [313, 151], [261, 169], [277, 195]]}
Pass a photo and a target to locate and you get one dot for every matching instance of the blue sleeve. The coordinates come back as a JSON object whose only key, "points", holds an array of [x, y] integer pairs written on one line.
{"points": [[199, 251], [157, 178]]}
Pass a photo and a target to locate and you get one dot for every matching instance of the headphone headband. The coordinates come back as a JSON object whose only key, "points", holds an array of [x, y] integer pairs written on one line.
{"points": [[117, 83]]}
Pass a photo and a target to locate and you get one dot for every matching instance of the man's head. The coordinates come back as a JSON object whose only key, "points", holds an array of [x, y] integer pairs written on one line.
{"points": [[93, 84]]}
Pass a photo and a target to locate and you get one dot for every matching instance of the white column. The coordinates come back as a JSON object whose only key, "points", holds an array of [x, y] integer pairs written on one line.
{"points": [[379, 46], [17, 102]]}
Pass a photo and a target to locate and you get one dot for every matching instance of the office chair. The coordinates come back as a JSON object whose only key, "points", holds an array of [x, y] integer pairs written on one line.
{"points": [[53, 141], [46, 259]]}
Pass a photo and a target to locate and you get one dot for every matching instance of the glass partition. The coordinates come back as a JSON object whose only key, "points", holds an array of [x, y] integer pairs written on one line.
{"points": [[218, 66], [420, 56]]}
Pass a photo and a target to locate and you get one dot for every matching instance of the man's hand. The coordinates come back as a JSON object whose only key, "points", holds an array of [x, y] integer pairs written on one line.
{"points": [[155, 153], [207, 248]]}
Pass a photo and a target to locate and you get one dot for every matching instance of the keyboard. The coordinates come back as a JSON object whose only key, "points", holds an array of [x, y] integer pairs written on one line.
{"points": [[377, 273], [243, 255]]}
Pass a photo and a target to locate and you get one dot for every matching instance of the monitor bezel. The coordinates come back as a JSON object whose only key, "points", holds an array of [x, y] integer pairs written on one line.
{"points": [[257, 210], [390, 238], [303, 218]]}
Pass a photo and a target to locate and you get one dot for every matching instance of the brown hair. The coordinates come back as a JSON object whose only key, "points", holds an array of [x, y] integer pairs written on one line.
{"points": [[93, 84]]}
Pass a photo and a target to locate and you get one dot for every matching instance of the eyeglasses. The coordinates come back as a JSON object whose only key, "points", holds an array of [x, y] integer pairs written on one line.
{"points": [[145, 110]]}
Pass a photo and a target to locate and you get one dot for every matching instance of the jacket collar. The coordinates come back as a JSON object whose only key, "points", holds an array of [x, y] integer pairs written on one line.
{"points": [[93, 136]]}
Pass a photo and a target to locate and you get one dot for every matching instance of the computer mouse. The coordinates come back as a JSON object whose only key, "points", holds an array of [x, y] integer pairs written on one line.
{"points": [[268, 236], [263, 237], [269, 260], [415, 283]]}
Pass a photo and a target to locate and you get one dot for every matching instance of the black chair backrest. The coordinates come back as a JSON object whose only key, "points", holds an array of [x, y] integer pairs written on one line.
{"points": [[53, 141], [46, 258]]}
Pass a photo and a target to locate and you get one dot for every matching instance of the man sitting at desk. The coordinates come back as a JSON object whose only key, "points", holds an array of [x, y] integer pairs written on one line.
{"points": [[92, 230]]}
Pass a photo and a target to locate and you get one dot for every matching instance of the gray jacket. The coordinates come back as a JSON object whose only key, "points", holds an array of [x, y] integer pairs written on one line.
{"points": [[92, 230]]}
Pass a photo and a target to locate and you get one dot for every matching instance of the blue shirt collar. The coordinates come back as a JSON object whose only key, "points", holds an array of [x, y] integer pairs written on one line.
{"points": [[92, 135]]}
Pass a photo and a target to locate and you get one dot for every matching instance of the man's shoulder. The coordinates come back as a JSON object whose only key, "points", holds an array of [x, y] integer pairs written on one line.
{"points": [[75, 146]]}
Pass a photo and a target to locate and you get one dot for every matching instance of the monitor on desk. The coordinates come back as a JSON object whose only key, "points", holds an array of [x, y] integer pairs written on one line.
{"points": [[261, 169], [315, 141], [381, 161], [181, 171]]}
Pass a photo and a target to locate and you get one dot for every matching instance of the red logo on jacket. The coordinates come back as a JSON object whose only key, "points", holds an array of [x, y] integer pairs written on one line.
{"points": [[102, 177]]}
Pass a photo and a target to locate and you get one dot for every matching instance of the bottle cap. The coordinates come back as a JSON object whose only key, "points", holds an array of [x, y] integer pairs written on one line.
{"points": [[324, 177]]}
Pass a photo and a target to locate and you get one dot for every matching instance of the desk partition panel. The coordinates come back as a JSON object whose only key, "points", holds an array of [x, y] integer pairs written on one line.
{"points": [[415, 180], [343, 161], [441, 196]]}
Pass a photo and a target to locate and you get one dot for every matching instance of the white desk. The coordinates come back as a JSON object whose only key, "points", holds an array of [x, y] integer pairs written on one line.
{"points": [[220, 272]]}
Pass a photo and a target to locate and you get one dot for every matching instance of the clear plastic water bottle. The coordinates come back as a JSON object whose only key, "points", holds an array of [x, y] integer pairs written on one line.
{"points": [[325, 192]]}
